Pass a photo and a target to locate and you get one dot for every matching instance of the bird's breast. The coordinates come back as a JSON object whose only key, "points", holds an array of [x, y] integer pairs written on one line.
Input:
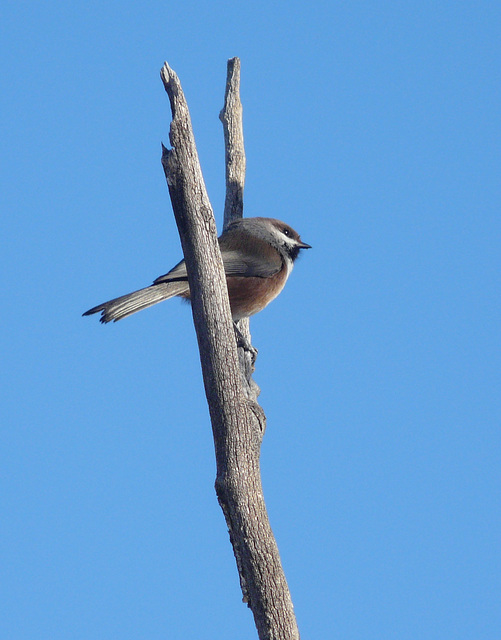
{"points": [[249, 295]]}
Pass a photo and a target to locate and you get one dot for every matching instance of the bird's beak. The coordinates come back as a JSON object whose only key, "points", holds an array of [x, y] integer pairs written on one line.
{"points": [[303, 245]]}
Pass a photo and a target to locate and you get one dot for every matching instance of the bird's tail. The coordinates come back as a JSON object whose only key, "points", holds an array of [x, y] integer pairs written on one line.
{"points": [[124, 306]]}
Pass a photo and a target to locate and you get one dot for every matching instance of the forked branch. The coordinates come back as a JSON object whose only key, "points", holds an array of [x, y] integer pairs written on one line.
{"points": [[237, 420]]}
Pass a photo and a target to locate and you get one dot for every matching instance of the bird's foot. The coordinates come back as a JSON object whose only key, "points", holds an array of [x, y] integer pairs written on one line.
{"points": [[244, 343]]}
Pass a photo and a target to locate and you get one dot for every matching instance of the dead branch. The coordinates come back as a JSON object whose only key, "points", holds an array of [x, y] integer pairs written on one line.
{"points": [[237, 420]]}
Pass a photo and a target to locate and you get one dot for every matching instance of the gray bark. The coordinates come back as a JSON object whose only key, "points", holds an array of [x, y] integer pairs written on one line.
{"points": [[231, 117], [238, 422]]}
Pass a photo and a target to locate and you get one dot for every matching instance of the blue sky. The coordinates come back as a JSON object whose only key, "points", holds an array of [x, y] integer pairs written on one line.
{"points": [[374, 130]]}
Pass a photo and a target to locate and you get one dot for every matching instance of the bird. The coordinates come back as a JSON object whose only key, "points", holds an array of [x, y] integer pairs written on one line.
{"points": [[258, 255]]}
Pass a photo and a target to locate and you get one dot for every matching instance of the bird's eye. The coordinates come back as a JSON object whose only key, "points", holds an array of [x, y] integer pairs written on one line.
{"points": [[286, 232]]}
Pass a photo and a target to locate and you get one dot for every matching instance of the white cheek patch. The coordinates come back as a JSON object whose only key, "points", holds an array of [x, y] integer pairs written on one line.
{"points": [[283, 239]]}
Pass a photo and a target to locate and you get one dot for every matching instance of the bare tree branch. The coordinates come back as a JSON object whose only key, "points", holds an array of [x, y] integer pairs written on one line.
{"points": [[238, 422], [231, 117]]}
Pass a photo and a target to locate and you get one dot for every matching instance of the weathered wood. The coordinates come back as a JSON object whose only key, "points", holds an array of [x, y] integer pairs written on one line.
{"points": [[237, 420], [231, 117]]}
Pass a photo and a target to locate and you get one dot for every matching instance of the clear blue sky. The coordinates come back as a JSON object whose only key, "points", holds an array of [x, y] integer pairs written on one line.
{"points": [[374, 129]]}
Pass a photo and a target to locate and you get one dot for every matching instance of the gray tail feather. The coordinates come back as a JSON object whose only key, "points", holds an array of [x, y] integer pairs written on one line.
{"points": [[124, 306]]}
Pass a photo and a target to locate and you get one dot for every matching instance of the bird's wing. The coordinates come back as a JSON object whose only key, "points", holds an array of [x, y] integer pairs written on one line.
{"points": [[236, 264], [265, 265], [177, 273]]}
